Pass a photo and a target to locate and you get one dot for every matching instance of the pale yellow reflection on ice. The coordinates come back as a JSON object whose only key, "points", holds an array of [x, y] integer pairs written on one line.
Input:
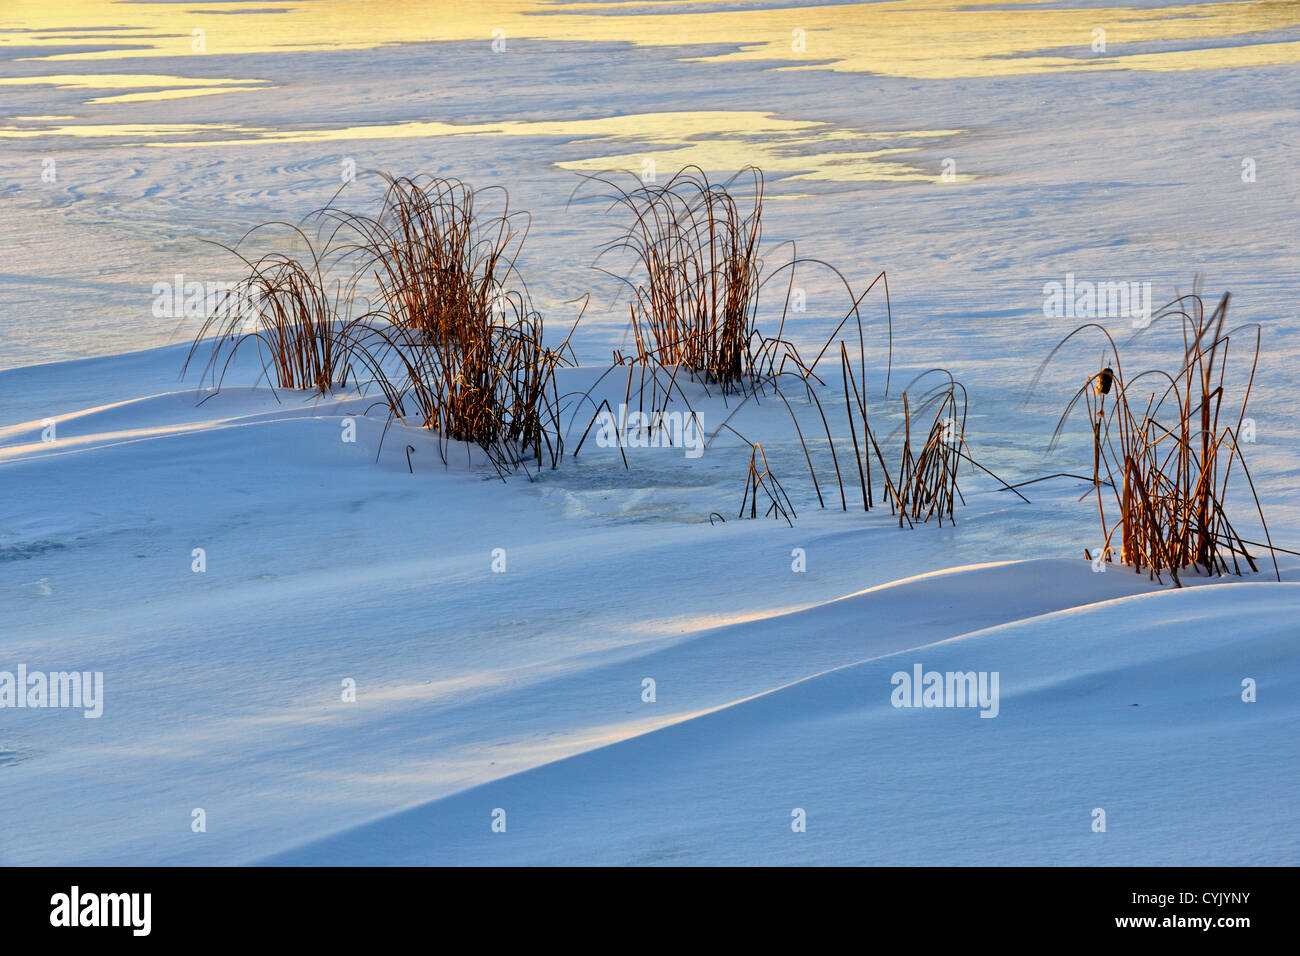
{"points": [[912, 38], [925, 39], [715, 140], [145, 87]]}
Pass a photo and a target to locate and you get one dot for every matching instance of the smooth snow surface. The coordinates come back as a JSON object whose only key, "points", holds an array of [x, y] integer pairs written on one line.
{"points": [[522, 690]]}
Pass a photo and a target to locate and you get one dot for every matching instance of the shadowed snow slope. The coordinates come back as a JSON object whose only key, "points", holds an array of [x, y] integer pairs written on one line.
{"points": [[1101, 707]]}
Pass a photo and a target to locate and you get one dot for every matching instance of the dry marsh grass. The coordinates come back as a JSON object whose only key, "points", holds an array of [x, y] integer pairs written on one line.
{"points": [[760, 481], [283, 308], [1165, 444], [447, 338], [696, 272], [442, 265], [449, 341], [452, 342], [695, 278]]}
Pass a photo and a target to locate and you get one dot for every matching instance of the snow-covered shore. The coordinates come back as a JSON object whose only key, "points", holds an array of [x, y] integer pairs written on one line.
{"points": [[524, 690]]}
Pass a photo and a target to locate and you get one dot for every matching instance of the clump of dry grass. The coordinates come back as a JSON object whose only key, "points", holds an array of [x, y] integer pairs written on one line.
{"points": [[453, 343], [494, 389], [450, 341], [441, 264], [925, 484], [1164, 447], [921, 483], [695, 280], [762, 481], [283, 307], [696, 272]]}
